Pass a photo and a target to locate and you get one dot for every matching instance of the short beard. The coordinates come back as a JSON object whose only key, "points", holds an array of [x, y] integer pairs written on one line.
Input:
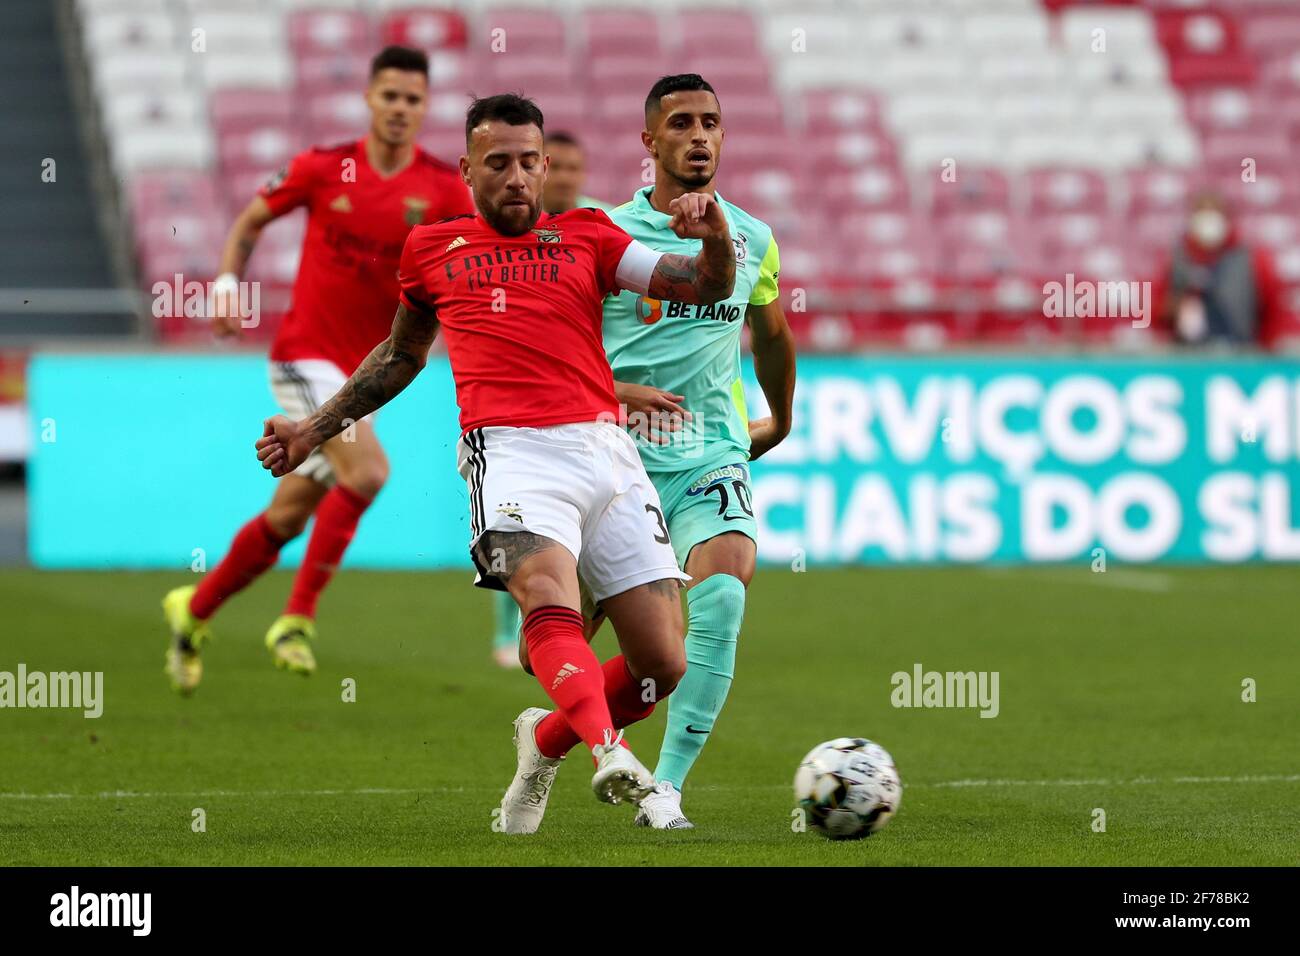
{"points": [[494, 219], [692, 180]]}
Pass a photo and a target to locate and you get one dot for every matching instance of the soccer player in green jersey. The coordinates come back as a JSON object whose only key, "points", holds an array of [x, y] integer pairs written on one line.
{"points": [[677, 369]]}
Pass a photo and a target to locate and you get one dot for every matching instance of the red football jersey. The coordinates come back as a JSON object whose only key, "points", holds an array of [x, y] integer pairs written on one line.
{"points": [[346, 291], [521, 314]]}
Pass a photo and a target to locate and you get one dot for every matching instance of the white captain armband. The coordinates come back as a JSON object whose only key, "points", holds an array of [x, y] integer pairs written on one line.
{"points": [[636, 267]]}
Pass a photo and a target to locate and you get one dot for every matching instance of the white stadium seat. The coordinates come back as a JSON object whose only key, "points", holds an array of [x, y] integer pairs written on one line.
{"points": [[1028, 69], [258, 71], [122, 73], [115, 32], [177, 147], [1123, 31], [169, 106], [1011, 31]]}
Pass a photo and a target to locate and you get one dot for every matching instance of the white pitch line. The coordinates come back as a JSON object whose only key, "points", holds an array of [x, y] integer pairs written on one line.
{"points": [[1104, 782], [406, 791], [133, 794]]}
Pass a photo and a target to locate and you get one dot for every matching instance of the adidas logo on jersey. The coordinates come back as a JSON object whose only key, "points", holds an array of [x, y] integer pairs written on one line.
{"points": [[458, 241], [567, 671], [342, 203]]}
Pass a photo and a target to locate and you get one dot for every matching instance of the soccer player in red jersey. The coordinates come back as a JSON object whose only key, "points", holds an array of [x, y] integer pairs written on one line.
{"points": [[362, 199], [556, 486]]}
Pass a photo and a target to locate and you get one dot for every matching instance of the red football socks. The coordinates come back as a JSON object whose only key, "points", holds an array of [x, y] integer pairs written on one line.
{"points": [[624, 696], [569, 672], [337, 517], [253, 551]]}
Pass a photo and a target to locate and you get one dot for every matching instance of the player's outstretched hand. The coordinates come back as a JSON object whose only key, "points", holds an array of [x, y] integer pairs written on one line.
{"points": [[651, 412], [764, 435], [697, 216], [283, 445]]}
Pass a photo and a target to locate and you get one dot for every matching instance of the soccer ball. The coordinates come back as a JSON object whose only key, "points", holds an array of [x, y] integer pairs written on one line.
{"points": [[848, 788]]}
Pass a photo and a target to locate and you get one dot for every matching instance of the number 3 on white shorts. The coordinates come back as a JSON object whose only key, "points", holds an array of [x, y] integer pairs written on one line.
{"points": [[662, 536]]}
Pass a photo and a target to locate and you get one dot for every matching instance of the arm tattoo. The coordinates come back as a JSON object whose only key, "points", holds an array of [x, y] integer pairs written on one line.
{"points": [[387, 370], [706, 278]]}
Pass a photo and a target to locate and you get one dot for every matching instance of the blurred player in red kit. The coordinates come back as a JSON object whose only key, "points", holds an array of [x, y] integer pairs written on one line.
{"points": [[362, 199], [556, 486]]}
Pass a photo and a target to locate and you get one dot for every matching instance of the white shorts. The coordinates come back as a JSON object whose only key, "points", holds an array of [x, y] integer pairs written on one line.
{"points": [[582, 485], [300, 387]]}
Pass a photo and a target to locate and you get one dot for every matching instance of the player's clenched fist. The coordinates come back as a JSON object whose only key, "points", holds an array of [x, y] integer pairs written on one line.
{"points": [[697, 216], [283, 446]]}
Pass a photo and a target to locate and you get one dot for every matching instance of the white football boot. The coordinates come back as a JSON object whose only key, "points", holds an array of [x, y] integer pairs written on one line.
{"points": [[525, 802], [662, 810], [619, 775]]}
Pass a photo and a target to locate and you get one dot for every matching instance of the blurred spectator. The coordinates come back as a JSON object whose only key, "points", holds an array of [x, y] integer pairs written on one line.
{"points": [[567, 175], [1218, 290]]}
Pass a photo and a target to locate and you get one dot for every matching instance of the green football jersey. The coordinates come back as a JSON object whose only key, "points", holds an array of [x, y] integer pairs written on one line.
{"points": [[691, 350]]}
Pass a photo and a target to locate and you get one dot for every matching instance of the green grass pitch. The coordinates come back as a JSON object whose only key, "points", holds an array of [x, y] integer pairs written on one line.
{"points": [[1120, 691]]}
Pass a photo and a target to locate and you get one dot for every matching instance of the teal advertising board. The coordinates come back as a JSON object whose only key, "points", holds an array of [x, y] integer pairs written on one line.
{"points": [[139, 461]]}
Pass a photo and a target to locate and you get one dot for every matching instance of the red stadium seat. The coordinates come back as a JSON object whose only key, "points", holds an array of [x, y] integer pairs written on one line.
{"points": [[1269, 191], [344, 108], [1203, 46], [1272, 229], [524, 30], [1281, 73], [718, 32], [974, 190], [1064, 190], [1157, 189], [237, 111], [1267, 32], [425, 29], [836, 110], [618, 32], [330, 31], [833, 152], [621, 75], [267, 147], [878, 188], [536, 76], [1226, 151], [327, 72]]}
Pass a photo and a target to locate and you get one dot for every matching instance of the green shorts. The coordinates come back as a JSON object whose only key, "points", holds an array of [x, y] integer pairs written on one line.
{"points": [[702, 503]]}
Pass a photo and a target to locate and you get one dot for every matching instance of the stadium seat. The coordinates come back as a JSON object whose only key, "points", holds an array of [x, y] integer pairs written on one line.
{"points": [[1048, 137], [616, 32], [237, 110], [424, 29], [1065, 190], [329, 32], [323, 72]]}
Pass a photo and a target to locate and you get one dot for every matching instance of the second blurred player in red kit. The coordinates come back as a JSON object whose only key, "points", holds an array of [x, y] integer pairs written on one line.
{"points": [[362, 198]]}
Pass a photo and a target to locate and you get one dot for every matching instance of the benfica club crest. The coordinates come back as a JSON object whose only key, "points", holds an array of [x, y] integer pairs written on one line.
{"points": [[276, 181], [547, 235], [415, 209]]}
